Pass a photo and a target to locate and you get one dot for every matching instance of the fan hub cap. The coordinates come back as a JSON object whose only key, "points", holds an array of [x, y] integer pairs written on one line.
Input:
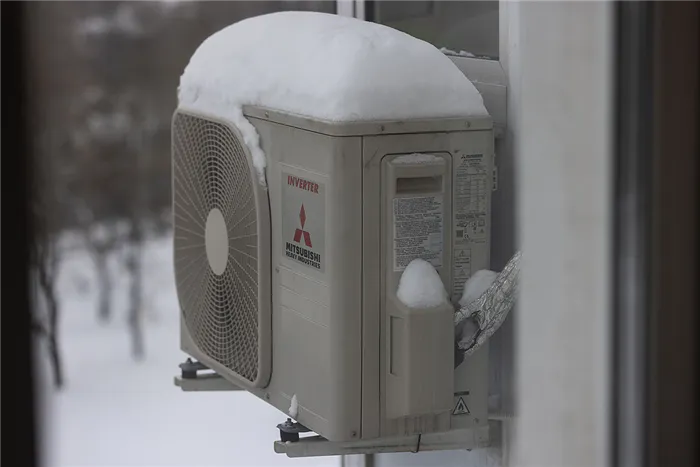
{"points": [[216, 241]]}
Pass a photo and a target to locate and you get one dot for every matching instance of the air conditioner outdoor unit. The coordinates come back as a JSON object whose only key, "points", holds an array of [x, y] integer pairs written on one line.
{"points": [[288, 267]]}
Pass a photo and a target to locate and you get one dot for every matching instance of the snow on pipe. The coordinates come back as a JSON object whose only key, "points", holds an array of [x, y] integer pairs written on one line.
{"points": [[477, 320]]}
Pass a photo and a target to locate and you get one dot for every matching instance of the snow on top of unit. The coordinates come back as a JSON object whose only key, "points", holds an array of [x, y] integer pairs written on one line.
{"points": [[420, 286], [328, 67], [322, 66], [476, 285], [417, 158]]}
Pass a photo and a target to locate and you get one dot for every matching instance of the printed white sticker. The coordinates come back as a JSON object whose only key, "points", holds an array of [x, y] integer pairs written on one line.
{"points": [[303, 220], [418, 230], [470, 215]]}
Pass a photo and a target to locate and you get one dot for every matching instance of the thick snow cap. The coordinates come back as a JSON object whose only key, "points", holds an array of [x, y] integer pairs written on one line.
{"points": [[326, 67], [420, 286]]}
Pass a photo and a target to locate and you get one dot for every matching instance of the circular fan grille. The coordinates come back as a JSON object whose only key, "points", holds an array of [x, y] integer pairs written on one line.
{"points": [[218, 296]]}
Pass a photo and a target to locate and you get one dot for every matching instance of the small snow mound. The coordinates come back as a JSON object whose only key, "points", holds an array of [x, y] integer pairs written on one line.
{"points": [[420, 286], [322, 66], [417, 158], [294, 407], [461, 53], [476, 285]]}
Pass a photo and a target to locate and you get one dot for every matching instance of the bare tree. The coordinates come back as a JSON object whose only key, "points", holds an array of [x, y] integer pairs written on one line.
{"points": [[140, 145], [101, 240], [117, 42], [45, 261], [134, 265], [47, 271], [100, 187]]}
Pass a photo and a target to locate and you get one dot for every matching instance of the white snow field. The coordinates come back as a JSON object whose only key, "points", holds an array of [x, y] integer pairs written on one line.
{"points": [[115, 412]]}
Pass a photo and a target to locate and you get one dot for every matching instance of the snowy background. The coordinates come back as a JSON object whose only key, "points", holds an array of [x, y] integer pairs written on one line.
{"points": [[114, 411], [104, 79], [104, 87]]}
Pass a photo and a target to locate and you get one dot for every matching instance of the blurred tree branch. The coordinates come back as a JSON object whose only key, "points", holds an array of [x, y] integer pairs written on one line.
{"points": [[45, 258]]}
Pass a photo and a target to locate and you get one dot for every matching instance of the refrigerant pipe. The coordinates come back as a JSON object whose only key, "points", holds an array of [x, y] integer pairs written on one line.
{"points": [[479, 319]]}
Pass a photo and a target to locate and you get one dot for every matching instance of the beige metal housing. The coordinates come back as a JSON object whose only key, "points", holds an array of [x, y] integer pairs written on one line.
{"points": [[347, 205]]}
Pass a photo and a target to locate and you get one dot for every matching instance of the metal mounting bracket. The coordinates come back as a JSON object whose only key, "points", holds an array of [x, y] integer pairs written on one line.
{"points": [[208, 382], [192, 380], [316, 446]]}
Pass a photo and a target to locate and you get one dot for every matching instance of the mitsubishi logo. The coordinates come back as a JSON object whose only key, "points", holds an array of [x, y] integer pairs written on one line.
{"points": [[298, 232]]}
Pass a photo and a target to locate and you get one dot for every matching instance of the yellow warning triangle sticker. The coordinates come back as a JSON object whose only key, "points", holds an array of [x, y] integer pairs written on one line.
{"points": [[461, 408]]}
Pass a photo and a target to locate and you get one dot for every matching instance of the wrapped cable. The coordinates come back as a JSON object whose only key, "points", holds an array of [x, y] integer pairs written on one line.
{"points": [[479, 319]]}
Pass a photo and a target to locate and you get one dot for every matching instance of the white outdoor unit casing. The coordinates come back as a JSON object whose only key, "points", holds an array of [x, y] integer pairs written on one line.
{"points": [[289, 289]]}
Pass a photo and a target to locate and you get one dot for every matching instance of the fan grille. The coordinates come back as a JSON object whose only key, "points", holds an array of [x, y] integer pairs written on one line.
{"points": [[220, 309]]}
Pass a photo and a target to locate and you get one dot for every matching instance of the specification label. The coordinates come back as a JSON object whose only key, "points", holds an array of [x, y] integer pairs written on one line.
{"points": [[471, 196], [418, 230]]}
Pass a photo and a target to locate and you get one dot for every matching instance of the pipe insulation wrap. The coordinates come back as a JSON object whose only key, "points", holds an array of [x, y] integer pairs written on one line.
{"points": [[478, 320]]}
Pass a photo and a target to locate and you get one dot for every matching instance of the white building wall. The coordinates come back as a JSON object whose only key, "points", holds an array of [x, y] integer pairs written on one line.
{"points": [[564, 212], [557, 61]]}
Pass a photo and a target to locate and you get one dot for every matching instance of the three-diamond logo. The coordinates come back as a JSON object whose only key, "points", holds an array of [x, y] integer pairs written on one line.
{"points": [[298, 233], [303, 220]]}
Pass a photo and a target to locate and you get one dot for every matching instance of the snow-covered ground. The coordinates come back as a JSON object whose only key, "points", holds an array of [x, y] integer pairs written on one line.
{"points": [[114, 412]]}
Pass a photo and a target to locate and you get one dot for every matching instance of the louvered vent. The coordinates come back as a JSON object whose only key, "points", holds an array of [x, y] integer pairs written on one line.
{"points": [[216, 244]]}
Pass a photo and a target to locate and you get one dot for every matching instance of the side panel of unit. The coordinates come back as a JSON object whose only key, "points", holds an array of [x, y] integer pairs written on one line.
{"points": [[315, 191], [419, 349], [472, 163]]}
